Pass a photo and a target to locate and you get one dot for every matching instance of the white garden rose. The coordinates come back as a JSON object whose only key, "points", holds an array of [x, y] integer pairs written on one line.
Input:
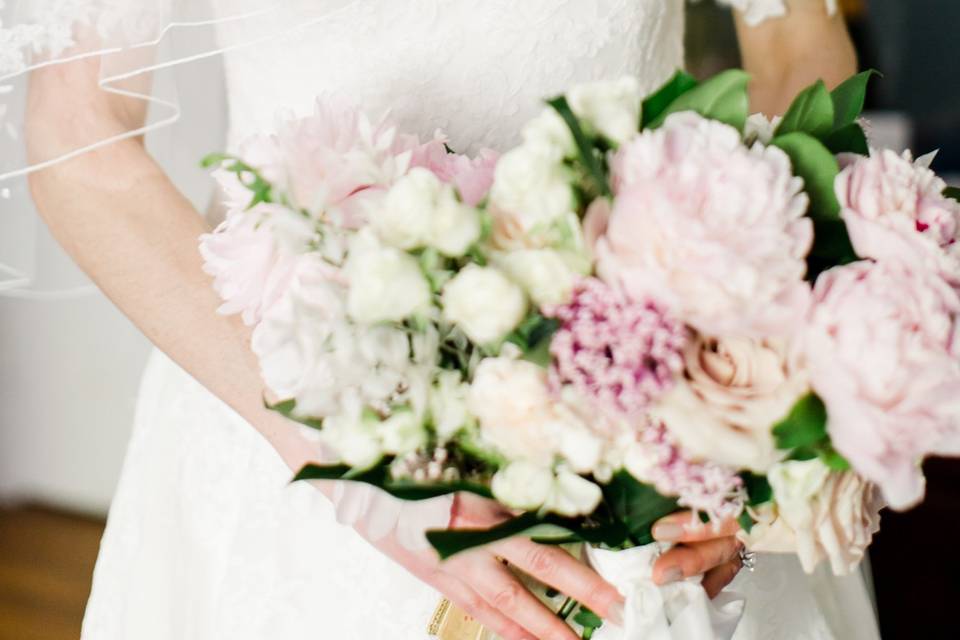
{"points": [[421, 210], [355, 439], [817, 514], [733, 392], [548, 276], [448, 404], [386, 284], [572, 495], [484, 303], [531, 191], [611, 108], [523, 485]]}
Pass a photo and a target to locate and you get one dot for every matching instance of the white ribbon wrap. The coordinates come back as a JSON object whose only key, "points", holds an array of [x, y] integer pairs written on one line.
{"points": [[678, 611]]}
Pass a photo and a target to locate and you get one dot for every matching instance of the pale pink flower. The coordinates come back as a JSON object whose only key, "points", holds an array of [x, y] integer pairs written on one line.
{"points": [[710, 228], [895, 209], [472, 177], [883, 350]]}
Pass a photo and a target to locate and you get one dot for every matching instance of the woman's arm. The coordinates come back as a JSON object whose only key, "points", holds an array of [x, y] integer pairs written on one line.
{"points": [[787, 54]]}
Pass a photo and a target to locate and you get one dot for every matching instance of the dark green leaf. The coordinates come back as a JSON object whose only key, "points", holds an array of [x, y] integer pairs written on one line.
{"points": [[832, 458], [587, 155], [722, 97], [849, 97], [952, 193], [849, 138], [746, 522], [804, 454], [679, 84], [758, 488], [818, 167], [811, 112], [379, 476], [451, 542], [831, 247], [804, 426], [533, 336], [637, 505], [588, 619], [288, 409]]}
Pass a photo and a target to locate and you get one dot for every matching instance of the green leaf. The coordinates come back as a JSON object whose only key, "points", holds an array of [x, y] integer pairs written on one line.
{"points": [[804, 426], [831, 247], [811, 112], [533, 336], [746, 521], [451, 542], [722, 97], [832, 458], [849, 138], [653, 106], [952, 192], [848, 98], [288, 408], [587, 155], [819, 169], [804, 454], [379, 476], [758, 488], [214, 159], [637, 505]]}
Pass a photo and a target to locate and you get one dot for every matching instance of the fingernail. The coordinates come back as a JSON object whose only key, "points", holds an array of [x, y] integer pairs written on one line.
{"points": [[667, 531], [615, 614], [673, 574]]}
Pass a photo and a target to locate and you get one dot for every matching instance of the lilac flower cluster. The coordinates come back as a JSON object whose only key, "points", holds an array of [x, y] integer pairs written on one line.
{"points": [[618, 353], [706, 487]]}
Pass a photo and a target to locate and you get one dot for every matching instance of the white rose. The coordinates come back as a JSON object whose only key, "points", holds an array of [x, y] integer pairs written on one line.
{"points": [[572, 495], [402, 433], [531, 189], [733, 392], [610, 108], [421, 210], [523, 485], [386, 284], [546, 275], [484, 303], [448, 404], [817, 514], [549, 135], [355, 439]]}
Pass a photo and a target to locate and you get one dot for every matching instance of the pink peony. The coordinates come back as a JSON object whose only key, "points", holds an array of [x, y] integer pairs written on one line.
{"points": [[883, 350], [712, 229], [251, 257], [331, 162], [472, 177], [895, 209]]}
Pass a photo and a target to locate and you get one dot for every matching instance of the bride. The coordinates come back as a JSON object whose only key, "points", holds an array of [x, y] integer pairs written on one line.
{"points": [[206, 539]]}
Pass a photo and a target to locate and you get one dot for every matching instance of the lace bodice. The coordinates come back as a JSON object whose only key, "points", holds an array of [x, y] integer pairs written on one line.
{"points": [[478, 70]]}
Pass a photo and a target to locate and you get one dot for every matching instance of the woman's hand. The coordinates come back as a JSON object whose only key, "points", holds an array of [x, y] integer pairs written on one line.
{"points": [[480, 583], [708, 549]]}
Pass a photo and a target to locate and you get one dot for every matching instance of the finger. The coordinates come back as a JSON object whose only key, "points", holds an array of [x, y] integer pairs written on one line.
{"points": [[718, 578], [686, 527], [505, 593], [481, 610], [470, 511], [557, 568], [693, 559]]}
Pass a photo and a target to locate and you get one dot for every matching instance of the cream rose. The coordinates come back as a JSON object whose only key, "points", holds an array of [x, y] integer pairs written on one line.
{"points": [[817, 514], [483, 302], [386, 284], [734, 391]]}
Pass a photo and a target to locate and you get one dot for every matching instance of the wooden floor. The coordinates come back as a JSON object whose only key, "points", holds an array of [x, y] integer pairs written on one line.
{"points": [[46, 560]]}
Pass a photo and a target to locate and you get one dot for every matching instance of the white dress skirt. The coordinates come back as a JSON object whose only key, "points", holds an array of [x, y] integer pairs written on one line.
{"points": [[206, 538]]}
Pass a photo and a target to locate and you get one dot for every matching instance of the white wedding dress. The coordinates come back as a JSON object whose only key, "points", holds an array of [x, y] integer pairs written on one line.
{"points": [[206, 539]]}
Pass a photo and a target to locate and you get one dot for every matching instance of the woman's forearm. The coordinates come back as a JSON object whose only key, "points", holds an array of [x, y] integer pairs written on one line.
{"points": [[129, 228]]}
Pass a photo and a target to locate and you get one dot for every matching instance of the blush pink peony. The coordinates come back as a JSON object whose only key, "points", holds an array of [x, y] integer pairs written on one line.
{"points": [[710, 228], [894, 208], [883, 350], [472, 177]]}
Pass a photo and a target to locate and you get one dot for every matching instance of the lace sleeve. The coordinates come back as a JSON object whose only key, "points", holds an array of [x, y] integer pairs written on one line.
{"points": [[757, 11]]}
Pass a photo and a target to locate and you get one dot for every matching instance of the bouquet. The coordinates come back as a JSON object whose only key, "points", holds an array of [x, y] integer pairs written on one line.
{"points": [[653, 303]]}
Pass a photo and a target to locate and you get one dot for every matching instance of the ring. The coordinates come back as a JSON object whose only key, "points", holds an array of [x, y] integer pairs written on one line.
{"points": [[748, 559]]}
